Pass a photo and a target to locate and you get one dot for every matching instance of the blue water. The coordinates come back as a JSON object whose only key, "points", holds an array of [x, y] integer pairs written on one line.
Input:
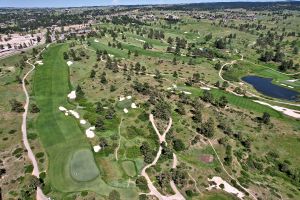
{"points": [[266, 87]]}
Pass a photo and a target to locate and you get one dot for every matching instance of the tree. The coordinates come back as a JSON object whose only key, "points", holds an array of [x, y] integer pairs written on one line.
{"points": [[99, 124], [103, 79], [295, 50], [92, 74], [222, 102], [266, 118], [180, 108], [162, 110], [103, 142], [114, 195], [207, 96], [141, 183], [207, 128], [16, 106], [175, 74], [34, 108], [79, 92], [178, 145]]}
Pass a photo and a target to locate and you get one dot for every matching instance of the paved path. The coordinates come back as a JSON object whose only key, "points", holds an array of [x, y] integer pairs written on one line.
{"points": [[152, 188], [35, 172]]}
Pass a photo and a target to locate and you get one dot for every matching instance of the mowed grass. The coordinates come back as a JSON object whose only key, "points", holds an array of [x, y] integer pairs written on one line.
{"points": [[239, 102], [60, 135], [83, 172], [129, 168], [72, 167]]}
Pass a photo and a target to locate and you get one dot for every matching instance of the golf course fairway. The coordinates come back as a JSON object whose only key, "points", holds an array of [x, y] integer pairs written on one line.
{"points": [[71, 166]]}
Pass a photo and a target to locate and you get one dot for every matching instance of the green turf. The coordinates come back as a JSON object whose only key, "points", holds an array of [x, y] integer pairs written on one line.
{"points": [[83, 167], [61, 135], [129, 168]]}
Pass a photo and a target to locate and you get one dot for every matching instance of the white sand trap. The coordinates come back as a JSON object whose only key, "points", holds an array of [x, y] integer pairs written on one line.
{"points": [[121, 98], [82, 121], [174, 86], [292, 81], [97, 148], [125, 110], [169, 88], [185, 32], [72, 95], [290, 86], [66, 113], [133, 105], [61, 108], [205, 88], [110, 55], [96, 40], [69, 63], [140, 40], [39, 62], [283, 84], [74, 113], [128, 97], [286, 111], [227, 187], [90, 132], [185, 92]]}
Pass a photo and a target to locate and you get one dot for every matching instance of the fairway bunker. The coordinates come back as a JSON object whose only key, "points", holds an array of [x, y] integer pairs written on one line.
{"points": [[82, 166]]}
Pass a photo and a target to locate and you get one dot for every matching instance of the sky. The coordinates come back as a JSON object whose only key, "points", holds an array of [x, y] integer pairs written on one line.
{"points": [[78, 3]]}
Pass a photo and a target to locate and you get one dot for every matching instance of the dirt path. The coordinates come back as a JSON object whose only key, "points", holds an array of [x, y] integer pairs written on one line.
{"points": [[39, 193], [119, 143], [221, 163], [152, 188]]}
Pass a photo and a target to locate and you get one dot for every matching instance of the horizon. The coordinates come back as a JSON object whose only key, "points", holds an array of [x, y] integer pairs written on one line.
{"points": [[95, 3]]}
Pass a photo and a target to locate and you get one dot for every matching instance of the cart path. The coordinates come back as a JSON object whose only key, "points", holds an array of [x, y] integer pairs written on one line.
{"points": [[152, 188], [119, 143], [39, 193]]}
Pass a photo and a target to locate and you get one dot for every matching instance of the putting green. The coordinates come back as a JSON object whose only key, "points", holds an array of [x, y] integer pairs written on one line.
{"points": [[83, 167], [129, 168]]}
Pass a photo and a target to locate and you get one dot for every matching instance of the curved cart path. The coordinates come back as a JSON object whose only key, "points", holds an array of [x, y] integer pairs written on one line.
{"points": [[39, 193], [152, 188]]}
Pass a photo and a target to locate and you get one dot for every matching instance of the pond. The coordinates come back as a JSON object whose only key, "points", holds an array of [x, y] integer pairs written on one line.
{"points": [[266, 87]]}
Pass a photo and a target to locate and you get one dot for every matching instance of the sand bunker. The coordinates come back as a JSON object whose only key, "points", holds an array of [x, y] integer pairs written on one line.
{"points": [[97, 148], [185, 92], [133, 105], [121, 98], [82, 121], [69, 63], [128, 97], [74, 113], [292, 81], [61, 108], [140, 40], [286, 111], [90, 132], [39, 62], [205, 88], [225, 186], [72, 95], [96, 40], [125, 110]]}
